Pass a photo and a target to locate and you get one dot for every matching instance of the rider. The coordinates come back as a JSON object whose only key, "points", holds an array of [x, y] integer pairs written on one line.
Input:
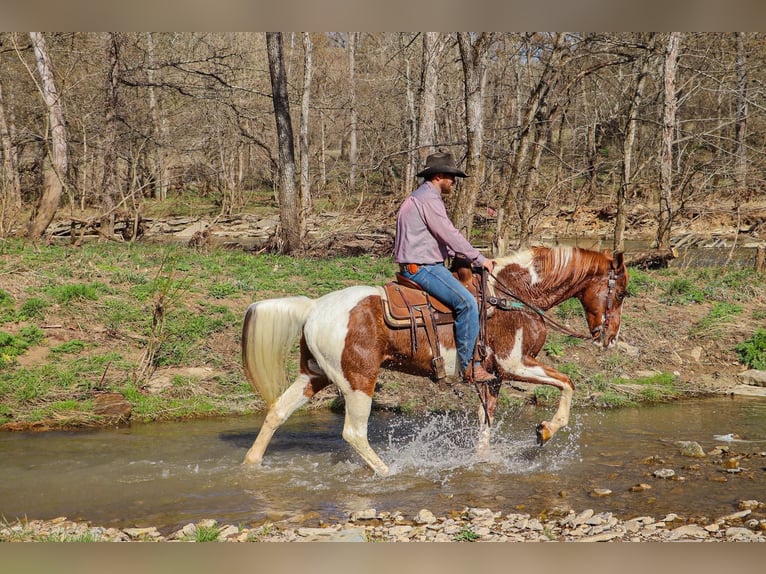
{"points": [[425, 237]]}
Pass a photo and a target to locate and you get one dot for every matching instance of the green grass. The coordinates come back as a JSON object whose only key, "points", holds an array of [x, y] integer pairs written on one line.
{"points": [[752, 352]]}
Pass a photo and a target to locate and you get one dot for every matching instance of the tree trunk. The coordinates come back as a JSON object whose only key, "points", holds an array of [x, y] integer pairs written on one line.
{"points": [[159, 128], [628, 144], [289, 214], [10, 185], [304, 128], [109, 182], [473, 58], [740, 130], [665, 213], [55, 177], [412, 123], [433, 47], [352, 41]]}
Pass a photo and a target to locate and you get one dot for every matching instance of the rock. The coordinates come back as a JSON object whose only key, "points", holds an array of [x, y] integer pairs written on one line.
{"points": [[735, 516], [226, 531], [688, 531], [603, 537], [664, 473], [112, 405], [641, 487], [753, 377], [739, 534], [749, 505], [425, 516], [690, 448], [142, 533], [367, 514], [600, 492], [332, 535]]}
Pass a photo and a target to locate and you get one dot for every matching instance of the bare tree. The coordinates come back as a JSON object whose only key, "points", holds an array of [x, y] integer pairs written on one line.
{"points": [[55, 177], [628, 145], [434, 44], [10, 182], [308, 69], [665, 208], [473, 56], [740, 126], [289, 212], [353, 39]]}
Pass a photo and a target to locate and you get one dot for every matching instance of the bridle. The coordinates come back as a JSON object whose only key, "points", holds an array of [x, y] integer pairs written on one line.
{"points": [[597, 333]]}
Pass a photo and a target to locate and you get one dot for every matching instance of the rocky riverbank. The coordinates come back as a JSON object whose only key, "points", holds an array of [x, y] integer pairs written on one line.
{"points": [[469, 525]]}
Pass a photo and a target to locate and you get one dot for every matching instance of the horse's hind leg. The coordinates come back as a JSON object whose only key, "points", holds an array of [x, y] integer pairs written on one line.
{"points": [[296, 395], [358, 407]]}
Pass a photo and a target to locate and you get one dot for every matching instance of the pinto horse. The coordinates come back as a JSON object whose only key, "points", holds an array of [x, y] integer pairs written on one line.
{"points": [[345, 340]]}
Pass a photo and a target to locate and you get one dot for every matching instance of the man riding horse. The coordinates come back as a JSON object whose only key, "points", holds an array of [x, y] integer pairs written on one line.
{"points": [[425, 237]]}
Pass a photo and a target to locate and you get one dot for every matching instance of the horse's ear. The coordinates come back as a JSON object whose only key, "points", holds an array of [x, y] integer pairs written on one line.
{"points": [[618, 260]]}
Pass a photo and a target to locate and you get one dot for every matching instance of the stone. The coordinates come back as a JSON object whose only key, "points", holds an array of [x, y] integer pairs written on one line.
{"points": [[748, 505], [690, 448], [603, 537], [366, 514], [425, 516], [140, 533], [688, 531], [641, 487], [227, 531], [739, 534], [753, 377], [112, 405], [664, 473], [600, 492]]}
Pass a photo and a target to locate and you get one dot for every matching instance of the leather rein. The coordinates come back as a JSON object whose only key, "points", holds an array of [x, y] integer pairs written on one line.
{"points": [[599, 332]]}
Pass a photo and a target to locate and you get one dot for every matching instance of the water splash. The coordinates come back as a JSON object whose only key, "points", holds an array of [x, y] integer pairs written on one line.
{"points": [[436, 446]]}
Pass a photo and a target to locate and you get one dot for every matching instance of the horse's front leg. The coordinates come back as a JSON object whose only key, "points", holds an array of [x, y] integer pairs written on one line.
{"points": [[488, 393], [532, 371]]}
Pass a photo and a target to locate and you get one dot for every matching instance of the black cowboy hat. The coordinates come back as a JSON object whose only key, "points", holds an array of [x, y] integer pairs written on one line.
{"points": [[441, 162]]}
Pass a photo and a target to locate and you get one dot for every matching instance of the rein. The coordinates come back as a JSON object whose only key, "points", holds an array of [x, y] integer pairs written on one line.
{"points": [[504, 305]]}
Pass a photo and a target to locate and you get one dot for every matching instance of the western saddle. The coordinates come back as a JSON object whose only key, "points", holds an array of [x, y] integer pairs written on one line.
{"points": [[407, 306]]}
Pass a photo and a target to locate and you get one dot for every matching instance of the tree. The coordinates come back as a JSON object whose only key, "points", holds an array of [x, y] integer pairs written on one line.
{"points": [[308, 69], [669, 105], [290, 220], [55, 177], [473, 55], [10, 182], [628, 145]]}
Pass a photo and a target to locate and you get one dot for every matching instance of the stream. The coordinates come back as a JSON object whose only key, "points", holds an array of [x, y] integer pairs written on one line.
{"points": [[170, 474]]}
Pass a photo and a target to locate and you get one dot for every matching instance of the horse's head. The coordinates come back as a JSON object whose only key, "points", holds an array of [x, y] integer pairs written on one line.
{"points": [[602, 300]]}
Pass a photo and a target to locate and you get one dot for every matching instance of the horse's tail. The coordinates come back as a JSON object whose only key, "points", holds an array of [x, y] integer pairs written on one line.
{"points": [[268, 333]]}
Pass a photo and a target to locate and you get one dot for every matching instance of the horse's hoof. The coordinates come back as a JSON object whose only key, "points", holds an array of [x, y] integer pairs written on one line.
{"points": [[543, 433]]}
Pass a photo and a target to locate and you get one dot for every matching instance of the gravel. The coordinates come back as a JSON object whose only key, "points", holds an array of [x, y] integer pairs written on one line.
{"points": [[469, 525]]}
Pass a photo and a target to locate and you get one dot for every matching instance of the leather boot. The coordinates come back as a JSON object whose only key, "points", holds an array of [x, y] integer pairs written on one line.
{"points": [[476, 373]]}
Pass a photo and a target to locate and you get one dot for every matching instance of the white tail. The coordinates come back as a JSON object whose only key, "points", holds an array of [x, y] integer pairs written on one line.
{"points": [[268, 332]]}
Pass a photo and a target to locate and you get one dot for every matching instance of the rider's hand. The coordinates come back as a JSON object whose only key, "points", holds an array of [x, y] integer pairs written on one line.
{"points": [[489, 265]]}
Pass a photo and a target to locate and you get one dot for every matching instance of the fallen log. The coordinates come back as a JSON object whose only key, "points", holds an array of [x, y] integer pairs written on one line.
{"points": [[652, 259]]}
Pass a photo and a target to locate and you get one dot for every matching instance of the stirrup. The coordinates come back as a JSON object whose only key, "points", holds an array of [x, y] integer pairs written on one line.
{"points": [[478, 374]]}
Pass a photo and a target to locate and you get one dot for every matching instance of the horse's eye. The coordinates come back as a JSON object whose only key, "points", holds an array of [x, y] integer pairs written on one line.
{"points": [[619, 296]]}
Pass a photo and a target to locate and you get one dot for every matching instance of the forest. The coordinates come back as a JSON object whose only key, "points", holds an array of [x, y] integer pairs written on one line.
{"points": [[95, 127]]}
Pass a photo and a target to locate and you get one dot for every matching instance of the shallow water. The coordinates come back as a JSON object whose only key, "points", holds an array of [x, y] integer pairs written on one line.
{"points": [[169, 474]]}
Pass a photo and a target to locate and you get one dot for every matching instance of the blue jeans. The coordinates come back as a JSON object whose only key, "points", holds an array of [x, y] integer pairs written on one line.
{"points": [[438, 281]]}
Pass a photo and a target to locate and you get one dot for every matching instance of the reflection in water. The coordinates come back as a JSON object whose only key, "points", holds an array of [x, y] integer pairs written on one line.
{"points": [[169, 474]]}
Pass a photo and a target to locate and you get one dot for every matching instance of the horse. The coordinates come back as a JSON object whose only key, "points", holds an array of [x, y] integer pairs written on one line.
{"points": [[344, 340]]}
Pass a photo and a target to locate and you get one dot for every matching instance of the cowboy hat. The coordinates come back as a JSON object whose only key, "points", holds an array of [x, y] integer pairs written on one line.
{"points": [[441, 162]]}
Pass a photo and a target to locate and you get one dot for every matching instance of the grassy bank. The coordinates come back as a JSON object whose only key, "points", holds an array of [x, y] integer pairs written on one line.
{"points": [[159, 325]]}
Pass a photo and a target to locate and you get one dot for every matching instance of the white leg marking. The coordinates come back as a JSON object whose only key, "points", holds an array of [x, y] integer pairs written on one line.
{"points": [[285, 405], [358, 406]]}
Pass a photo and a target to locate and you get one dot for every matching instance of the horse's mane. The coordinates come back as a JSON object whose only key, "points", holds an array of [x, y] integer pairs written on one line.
{"points": [[549, 266]]}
